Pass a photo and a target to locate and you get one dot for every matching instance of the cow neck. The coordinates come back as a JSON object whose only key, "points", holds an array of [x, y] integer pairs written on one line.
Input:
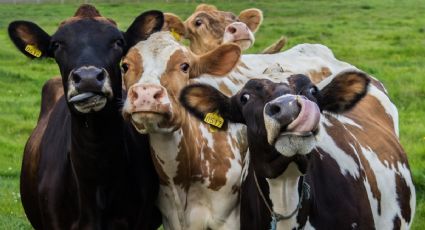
{"points": [[285, 196], [97, 143]]}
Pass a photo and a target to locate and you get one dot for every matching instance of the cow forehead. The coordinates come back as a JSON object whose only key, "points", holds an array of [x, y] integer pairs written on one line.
{"points": [[156, 52]]}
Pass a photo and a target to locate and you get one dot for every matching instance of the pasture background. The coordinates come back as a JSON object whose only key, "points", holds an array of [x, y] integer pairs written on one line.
{"points": [[384, 38]]}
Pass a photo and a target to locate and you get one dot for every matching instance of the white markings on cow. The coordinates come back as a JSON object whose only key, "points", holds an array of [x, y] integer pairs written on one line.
{"points": [[345, 162], [284, 195]]}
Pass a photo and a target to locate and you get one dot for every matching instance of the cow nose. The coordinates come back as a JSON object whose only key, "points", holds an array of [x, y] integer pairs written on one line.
{"points": [[284, 110], [146, 97], [237, 28], [89, 79]]}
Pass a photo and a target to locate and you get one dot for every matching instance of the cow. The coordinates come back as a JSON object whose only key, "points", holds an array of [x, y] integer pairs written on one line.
{"points": [[315, 160], [199, 170], [82, 167], [155, 72], [209, 27]]}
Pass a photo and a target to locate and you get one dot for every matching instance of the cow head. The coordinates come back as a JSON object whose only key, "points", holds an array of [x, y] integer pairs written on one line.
{"points": [[282, 118], [88, 49], [208, 27], [157, 69]]}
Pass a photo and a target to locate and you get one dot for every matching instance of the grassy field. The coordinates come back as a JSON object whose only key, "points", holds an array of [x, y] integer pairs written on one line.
{"points": [[383, 38]]}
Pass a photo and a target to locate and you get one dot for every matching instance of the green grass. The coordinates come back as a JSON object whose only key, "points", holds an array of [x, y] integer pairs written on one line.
{"points": [[383, 38]]}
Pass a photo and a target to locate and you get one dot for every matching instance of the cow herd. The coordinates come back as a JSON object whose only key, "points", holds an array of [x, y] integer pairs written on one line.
{"points": [[141, 131]]}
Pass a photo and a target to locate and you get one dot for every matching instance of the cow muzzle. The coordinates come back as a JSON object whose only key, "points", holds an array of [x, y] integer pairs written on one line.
{"points": [[148, 107], [239, 33], [89, 89], [291, 122]]}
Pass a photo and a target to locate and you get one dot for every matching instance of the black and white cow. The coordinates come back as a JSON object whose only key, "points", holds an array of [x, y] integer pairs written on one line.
{"points": [[320, 156]]}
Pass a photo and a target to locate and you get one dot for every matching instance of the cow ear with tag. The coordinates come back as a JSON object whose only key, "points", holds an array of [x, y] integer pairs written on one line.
{"points": [[30, 39], [210, 105], [175, 25]]}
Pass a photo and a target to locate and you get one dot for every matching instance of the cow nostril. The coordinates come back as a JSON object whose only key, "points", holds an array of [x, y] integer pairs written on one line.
{"points": [[133, 95], [157, 95], [100, 76], [231, 29], [273, 110], [76, 78]]}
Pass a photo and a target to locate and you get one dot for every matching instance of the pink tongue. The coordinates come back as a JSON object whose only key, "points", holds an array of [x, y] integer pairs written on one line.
{"points": [[308, 118]]}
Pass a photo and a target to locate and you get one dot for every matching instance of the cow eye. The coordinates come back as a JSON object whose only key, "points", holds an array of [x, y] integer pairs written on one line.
{"points": [[244, 98], [198, 22], [184, 67], [55, 45], [119, 43], [313, 90], [124, 67]]}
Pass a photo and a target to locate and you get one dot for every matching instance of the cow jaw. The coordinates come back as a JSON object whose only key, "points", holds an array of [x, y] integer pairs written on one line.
{"points": [[297, 137]]}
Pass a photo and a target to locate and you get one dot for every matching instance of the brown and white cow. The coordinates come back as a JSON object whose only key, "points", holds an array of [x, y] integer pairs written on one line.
{"points": [[208, 27], [199, 170], [318, 164]]}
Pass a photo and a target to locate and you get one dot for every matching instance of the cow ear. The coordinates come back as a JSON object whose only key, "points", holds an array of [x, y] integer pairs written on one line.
{"points": [[174, 24], [30, 39], [201, 99], [143, 26], [252, 18], [218, 62], [343, 91]]}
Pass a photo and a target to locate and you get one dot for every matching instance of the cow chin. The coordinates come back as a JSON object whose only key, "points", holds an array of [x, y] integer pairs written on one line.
{"points": [[244, 44], [149, 122], [289, 145], [94, 104]]}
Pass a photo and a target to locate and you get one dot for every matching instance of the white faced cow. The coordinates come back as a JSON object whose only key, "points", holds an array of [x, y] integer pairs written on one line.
{"points": [[338, 168]]}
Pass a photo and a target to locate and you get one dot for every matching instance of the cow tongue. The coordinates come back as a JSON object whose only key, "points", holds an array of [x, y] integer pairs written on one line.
{"points": [[308, 118]]}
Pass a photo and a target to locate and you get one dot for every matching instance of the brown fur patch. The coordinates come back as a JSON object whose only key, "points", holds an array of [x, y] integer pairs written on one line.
{"points": [[87, 11], [205, 7], [218, 62], [135, 67], [198, 162], [163, 177], [317, 77], [25, 34]]}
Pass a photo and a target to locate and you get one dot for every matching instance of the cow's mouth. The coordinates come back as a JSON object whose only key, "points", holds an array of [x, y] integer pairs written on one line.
{"points": [[148, 121], [298, 136], [88, 101]]}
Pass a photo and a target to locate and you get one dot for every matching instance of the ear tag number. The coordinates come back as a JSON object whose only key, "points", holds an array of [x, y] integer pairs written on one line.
{"points": [[175, 35], [214, 119], [34, 51]]}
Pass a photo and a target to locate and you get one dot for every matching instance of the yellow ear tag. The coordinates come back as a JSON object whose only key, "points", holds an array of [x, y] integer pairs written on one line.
{"points": [[175, 35], [34, 51], [214, 119]]}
